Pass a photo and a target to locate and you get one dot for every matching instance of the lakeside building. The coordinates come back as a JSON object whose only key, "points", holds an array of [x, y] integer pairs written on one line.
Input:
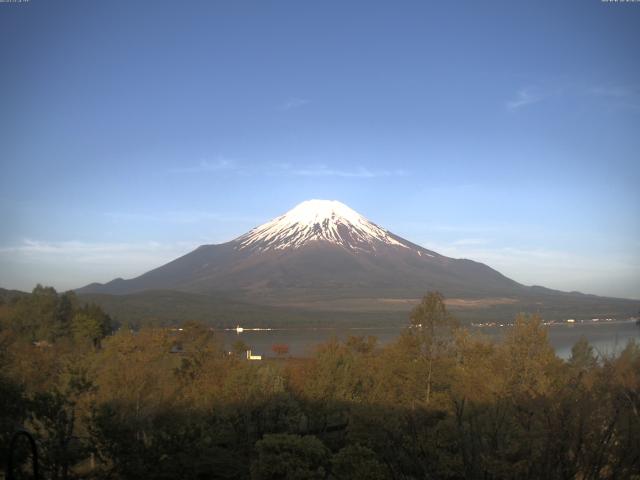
{"points": [[253, 357]]}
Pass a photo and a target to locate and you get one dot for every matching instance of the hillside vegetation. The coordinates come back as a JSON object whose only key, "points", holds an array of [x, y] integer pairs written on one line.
{"points": [[438, 403], [171, 308]]}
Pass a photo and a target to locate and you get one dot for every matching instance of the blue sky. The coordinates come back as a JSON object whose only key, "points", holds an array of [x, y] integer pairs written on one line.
{"points": [[506, 132]]}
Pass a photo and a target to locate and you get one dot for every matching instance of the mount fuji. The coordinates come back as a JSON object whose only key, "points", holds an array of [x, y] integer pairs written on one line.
{"points": [[323, 248], [322, 254]]}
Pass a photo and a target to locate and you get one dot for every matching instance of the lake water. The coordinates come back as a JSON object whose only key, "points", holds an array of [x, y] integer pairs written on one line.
{"points": [[608, 338]]}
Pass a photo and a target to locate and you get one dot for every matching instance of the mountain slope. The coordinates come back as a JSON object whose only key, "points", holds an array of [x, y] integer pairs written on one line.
{"points": [[319, 249], [323, 262]]}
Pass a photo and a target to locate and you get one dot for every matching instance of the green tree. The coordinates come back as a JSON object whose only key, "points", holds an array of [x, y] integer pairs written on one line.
{"points": [[33, 316], [86, 328], [44, 315], [91, 323], [44, 303], [239, 347], [290, 457], [53, 420], [63, 314], [13, 411], [355, 462]]}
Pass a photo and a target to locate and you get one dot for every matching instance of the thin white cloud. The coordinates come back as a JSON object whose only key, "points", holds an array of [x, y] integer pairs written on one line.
{"points": [[90, 252], [282, 169], [72, 264], [220, 164], [619, 96], [618, 91], [178, 217], [472, 231], [326, 171], [525, 97], [568, 271], [471, 241], [294, 102]]}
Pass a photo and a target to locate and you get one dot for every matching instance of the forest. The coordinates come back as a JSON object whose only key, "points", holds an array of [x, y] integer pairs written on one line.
{"points": [[105, 401]]}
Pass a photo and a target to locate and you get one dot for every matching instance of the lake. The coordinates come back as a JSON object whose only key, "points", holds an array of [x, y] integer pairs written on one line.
{"points": [[608, 338]]}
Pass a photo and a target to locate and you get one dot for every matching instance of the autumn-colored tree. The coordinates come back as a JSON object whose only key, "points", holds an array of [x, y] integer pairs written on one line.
{"points": [[280, 349], [433, 326], [201, 358], [529, 356], [362, 344], [438, 402], [583, 357], [336, 373]]}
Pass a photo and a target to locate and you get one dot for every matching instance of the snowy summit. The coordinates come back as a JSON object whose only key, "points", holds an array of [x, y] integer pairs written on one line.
{"points": [[319, 221]]}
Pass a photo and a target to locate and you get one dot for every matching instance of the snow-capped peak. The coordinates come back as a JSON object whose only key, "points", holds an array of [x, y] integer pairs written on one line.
{"points": [[318, 221]]}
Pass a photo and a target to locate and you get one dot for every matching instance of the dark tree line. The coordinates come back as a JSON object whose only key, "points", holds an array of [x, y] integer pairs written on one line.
{"points": [[439, 403]]}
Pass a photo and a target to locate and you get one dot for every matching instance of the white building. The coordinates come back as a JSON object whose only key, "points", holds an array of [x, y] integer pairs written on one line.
{"points": [[253, 357]]}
